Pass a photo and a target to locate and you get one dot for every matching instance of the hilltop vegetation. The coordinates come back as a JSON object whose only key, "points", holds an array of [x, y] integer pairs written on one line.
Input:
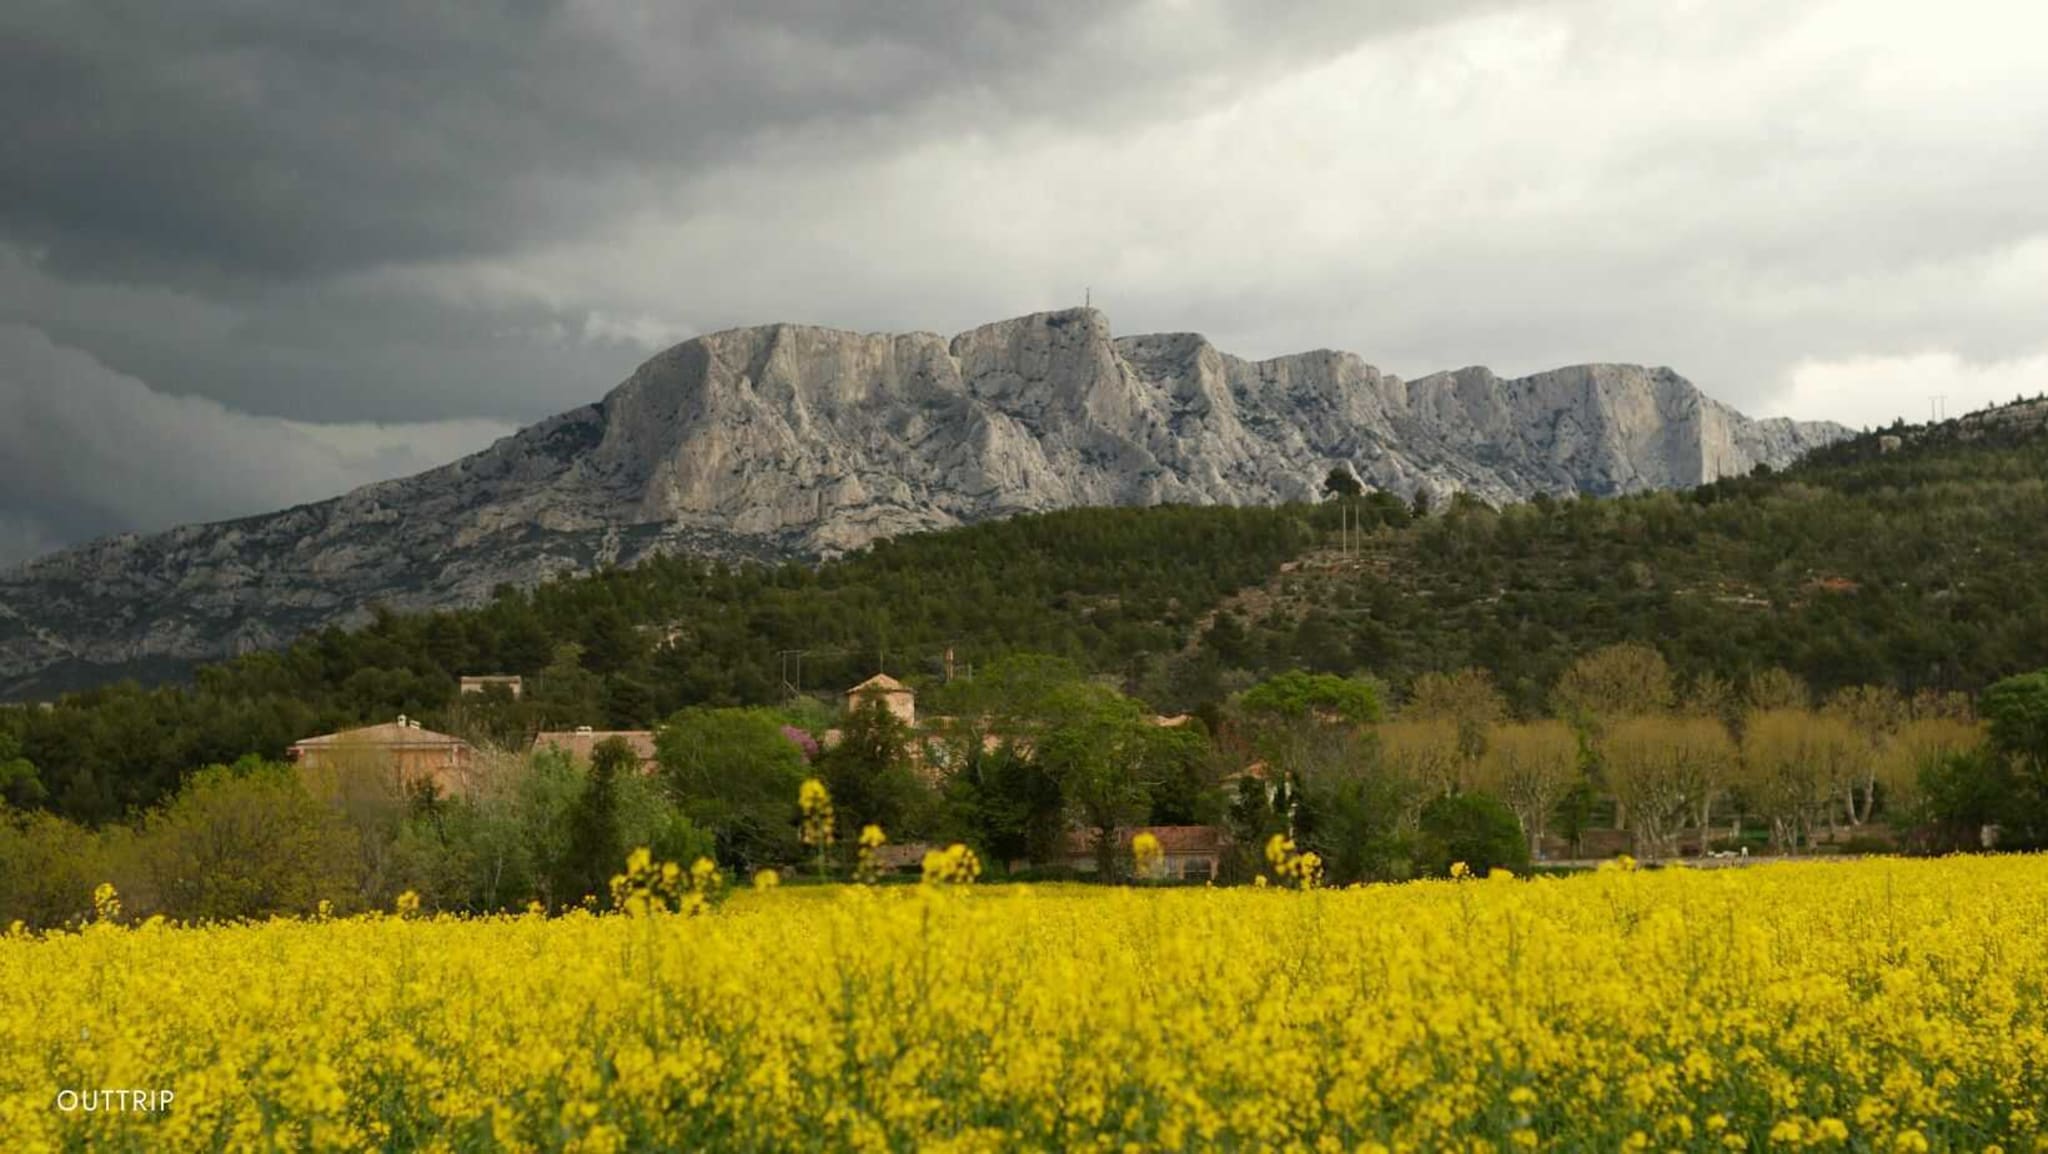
{"points": [[1917, 568]]}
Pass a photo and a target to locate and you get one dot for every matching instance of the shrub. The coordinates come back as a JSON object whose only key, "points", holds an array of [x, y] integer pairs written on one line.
{"points": [[1471, 828]]}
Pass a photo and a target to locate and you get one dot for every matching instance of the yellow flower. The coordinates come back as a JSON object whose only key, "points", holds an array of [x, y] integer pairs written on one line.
{"points": [[1147, 855], [1585, 1012], [815, 803], [954, 865], [408, 904]]}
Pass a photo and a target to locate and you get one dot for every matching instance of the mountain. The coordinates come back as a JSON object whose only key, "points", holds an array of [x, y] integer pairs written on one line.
{"points": [[789, 441]]}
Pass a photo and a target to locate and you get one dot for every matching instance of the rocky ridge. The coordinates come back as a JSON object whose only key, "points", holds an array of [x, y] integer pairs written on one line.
{"points": [[790, 441]]}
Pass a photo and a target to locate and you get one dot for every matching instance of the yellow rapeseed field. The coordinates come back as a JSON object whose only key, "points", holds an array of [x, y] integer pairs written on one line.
{"points": [[1878, 1005]]}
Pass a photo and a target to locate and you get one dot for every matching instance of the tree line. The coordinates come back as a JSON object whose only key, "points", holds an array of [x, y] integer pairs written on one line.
{"points": [[1035, 762]]}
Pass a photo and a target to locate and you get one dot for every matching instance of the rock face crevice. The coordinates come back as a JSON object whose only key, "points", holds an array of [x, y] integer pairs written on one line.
{"points": [[791, 441]]}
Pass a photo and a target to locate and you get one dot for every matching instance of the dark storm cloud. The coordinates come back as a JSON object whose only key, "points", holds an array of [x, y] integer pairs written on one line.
{"points": [[223, 141]]}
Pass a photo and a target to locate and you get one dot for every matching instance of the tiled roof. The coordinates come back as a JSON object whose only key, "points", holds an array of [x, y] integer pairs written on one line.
{"points": [[1173, 839], [390, 735], [880, 683], [581, 744]]}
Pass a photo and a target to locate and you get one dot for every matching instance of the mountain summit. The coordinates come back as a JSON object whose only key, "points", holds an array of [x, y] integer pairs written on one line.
{"points": [[789, 441]]}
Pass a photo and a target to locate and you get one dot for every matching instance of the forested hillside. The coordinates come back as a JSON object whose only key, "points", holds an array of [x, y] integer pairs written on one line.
{"points": [[1913, 558]]}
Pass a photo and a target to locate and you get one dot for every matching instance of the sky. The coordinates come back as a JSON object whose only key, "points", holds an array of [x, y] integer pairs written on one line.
{"points": [[253, 255]]}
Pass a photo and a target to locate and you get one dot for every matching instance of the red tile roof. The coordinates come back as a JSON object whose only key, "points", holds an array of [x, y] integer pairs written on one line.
{"points": [[1173, 839], [581, 743]]}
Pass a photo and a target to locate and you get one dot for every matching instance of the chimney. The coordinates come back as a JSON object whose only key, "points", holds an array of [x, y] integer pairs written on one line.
{"points": [[585, 729], [401, 721]]}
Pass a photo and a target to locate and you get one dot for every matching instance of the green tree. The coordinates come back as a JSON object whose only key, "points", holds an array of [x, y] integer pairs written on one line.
{"points": [[1471, 828], [1108, 757], [48, 868], [597, 846], [735, 774], [2016, 711], [19, 785], [245, 842], [1342, 800], [1297, 694], [870, 775], [1007, 804], [1912, 755]]}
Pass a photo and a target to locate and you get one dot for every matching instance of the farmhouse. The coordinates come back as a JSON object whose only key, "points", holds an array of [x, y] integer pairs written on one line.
{"points": [[1193, 853], [400, 747], [899, 698], [512, 683], [581, 742]]}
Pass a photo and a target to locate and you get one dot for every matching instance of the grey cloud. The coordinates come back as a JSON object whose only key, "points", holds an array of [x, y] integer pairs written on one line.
{"points": [[85, 452], [227, 141]]}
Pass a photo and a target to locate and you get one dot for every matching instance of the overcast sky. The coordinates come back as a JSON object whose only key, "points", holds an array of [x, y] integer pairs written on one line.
{"points": [[252, 256]]}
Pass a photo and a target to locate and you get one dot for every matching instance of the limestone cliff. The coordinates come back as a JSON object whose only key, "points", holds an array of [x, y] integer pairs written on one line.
{"points": [[794, 441]]}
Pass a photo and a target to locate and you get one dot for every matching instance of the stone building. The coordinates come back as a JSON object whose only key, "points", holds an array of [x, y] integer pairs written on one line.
{"points": [[399, 748], [1190, 853], [512, 683], [900, 699], [581, 742]]}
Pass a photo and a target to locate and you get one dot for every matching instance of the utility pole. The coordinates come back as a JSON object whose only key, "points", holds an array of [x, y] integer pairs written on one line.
{"points": [[792, 670]]}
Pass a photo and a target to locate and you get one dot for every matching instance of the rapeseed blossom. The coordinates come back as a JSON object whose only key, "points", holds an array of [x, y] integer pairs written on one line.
{"points": [[1878, 1005], [867, 866], [1147, 855], [954, 865]]}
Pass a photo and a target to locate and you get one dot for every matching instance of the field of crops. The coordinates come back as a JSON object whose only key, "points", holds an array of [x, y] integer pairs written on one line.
{"points": [[1876, 1005]]}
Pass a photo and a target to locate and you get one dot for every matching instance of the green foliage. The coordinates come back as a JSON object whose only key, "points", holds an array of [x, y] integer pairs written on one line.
{"points": [[1002, 802], [245, 841], [1354, 822], [1471, 828], [735, 775], [1109, 759], [1574, 813], [1969, 791], [1298, 694], [2017, 711], [19, 785], [596, 843], [48, 868], [869, 774]]}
